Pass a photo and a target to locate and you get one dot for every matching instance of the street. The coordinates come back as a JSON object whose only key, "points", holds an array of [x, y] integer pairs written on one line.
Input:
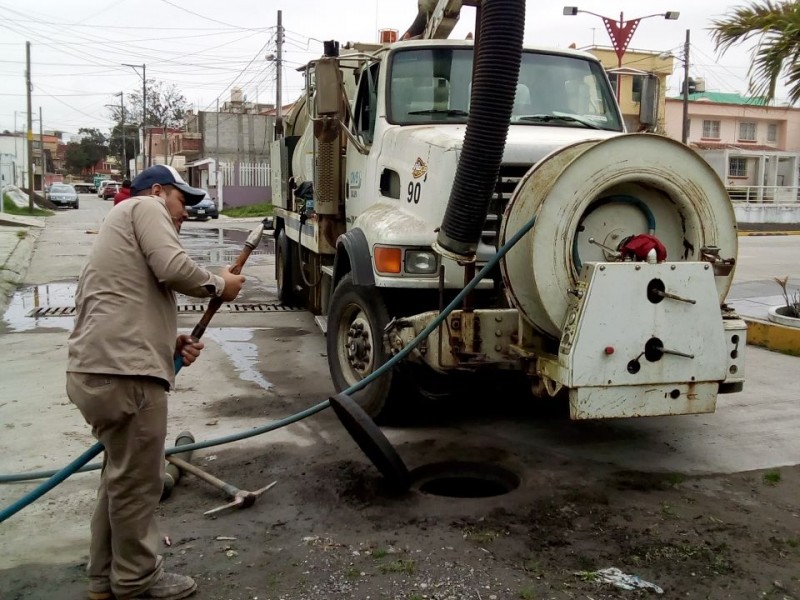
{"points": [[636, 494]]}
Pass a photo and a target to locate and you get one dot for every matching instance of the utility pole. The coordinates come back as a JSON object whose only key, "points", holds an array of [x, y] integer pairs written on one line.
{"points": [[279, 79], [685, 128], [41, 147], [28, 87], [124, 142], [144, 110]]}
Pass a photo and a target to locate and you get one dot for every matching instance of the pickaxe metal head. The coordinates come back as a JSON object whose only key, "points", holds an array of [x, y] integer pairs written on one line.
{"points": [[241, 499]]}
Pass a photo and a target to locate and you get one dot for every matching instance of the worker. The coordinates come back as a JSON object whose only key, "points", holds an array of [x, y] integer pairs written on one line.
{"points": [[124, 193], [120, 367]]}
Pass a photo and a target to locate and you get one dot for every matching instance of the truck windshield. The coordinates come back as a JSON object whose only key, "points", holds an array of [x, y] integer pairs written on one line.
{"points": [[433, 85]]}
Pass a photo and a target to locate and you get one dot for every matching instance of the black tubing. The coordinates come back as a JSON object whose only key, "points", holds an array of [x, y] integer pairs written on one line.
{"points": [[494, 85]]}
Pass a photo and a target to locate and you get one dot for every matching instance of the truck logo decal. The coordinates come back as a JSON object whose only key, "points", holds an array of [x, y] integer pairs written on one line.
{"points": [[355, 179], [419, 169]]}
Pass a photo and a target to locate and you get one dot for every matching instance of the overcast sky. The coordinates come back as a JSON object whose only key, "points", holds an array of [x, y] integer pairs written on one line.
{"points": [[208, 46]]}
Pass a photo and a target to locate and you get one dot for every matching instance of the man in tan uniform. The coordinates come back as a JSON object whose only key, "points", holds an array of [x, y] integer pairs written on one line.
{"points": [[121, 366]]}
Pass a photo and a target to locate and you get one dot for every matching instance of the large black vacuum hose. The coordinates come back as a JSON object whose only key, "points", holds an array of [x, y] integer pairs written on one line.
{"points": [[494, 85]]}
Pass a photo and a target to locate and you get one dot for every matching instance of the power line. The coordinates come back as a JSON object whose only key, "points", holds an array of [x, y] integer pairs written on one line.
{"points": [[208, 18]]}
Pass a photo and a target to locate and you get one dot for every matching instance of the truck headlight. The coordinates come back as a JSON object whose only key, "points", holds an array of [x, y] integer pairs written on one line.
{"points": [[421, 262]]}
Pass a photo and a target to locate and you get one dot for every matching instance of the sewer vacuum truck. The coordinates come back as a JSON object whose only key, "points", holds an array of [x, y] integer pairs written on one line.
{"points": [[405, 167]]}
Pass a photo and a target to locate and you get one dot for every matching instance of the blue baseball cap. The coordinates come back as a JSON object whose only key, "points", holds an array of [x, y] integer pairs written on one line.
{"points": [[166, 175]]}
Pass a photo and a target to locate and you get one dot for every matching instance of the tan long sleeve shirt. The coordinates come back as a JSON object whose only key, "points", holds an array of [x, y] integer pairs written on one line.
{"points": [[127, 319]]}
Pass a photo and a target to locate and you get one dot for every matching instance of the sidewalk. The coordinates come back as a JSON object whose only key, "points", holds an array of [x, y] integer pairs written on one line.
{"points": [[18, 237]]}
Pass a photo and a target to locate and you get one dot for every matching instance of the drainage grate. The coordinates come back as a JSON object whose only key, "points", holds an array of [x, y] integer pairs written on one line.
{"points": [[236, 307]]}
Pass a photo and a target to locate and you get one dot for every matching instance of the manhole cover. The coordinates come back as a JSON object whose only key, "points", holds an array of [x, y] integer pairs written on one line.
{"points": [[233, 307]]}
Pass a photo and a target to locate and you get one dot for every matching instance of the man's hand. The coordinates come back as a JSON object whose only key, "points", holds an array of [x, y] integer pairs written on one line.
{"points": [[188, 348], [233, 284]]}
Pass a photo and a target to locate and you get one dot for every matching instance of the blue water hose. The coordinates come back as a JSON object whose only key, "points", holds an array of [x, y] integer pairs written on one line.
{"points": [[56, 477]]}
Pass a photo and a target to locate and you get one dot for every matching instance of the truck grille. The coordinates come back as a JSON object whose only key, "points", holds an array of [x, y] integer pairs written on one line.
{"points": [[507, 181]]}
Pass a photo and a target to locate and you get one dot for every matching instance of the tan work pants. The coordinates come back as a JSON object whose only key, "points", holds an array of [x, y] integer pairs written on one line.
{"points": [[129, 416]]}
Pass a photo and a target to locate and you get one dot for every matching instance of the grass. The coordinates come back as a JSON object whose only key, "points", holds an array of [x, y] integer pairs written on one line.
{"points": [[353, 573], [407, 567], [527, 593], [379, 553], [772, 477], [254, 210], [22, 234], [11, 208], [480, 536]]}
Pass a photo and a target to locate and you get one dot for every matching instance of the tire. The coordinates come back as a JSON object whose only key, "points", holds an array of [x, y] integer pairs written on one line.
{"points": [[75, 206], [285, 258], [355, 344]]}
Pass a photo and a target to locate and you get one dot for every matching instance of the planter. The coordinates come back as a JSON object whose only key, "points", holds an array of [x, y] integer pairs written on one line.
{"points": [[779, 315]]}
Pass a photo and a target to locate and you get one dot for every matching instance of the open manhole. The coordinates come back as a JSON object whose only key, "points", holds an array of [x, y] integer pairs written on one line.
{"points": [[464, 480], [455, 479]]}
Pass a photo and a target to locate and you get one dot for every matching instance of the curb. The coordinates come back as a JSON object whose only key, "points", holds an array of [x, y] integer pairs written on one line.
{"points": [[16, 265], [772, 336]]}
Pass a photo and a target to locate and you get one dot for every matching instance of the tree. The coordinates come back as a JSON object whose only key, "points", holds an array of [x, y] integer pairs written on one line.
{"points": [[776, 24], [85, 154], [166, 106]]}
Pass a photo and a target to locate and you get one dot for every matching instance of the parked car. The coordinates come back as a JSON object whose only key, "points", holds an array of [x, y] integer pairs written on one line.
{"points": [[102, 185], [110, 189], [203, 210], [62, 194]]}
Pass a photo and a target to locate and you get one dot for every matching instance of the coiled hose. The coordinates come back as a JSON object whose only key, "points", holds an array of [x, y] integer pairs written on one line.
{"points": [[76, 465]]}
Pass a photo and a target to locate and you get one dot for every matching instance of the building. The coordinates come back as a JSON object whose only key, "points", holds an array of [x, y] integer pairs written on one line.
{"points": [[13, 159], [238, 138], [754, 148], [629, 79], [162, 148]]}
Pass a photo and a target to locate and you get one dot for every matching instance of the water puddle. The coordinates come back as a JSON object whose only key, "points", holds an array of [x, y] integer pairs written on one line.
{"points": [[243, 353], [29, 298]]}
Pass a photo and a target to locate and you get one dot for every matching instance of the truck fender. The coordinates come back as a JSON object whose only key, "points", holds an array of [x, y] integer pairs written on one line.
{"points": [[353, 256]]}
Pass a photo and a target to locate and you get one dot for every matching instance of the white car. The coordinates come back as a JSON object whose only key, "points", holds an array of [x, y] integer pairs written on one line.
{"points": [[103, 184]]}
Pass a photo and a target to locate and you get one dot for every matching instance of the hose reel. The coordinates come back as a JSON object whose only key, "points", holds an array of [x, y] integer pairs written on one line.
{"points": [[590, 196]]}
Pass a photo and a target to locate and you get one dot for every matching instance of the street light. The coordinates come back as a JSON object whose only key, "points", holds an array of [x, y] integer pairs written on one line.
{"points": [[620, 32], [144, 108]]}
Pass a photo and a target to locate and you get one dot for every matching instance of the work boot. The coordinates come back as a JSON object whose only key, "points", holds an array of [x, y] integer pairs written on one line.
{"points": [[101, 595], [170, 586]]}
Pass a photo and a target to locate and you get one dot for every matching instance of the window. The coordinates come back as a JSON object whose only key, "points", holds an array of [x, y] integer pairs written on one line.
{"points": [[772, 132], [737, 167], [433, 85], [747, 132], [636, 88], [711, 130]]}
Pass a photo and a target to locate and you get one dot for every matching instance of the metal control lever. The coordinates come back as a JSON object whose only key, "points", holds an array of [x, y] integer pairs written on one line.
{"points": [[675, 352], [664, 294], [612, 251]]}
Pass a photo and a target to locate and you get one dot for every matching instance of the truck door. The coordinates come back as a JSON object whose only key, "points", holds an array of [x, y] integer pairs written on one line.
{"points": [[361, 188]]}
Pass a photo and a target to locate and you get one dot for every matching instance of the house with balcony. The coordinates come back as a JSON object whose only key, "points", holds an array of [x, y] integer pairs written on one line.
{"points": [[753, 147]]}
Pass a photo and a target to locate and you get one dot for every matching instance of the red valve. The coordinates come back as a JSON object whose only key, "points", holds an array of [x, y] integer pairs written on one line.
{"points": [[609, 350]]}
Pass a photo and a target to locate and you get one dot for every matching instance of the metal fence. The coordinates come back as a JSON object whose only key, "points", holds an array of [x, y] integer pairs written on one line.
{"points": [[764, 194], [249, 174]]}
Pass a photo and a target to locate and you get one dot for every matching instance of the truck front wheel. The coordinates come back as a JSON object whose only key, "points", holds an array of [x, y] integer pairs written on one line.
{"points": [[356, 322]]}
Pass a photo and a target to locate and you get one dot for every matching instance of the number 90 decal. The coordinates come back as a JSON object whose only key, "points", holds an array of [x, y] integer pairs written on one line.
{"points": [[414, 191]]}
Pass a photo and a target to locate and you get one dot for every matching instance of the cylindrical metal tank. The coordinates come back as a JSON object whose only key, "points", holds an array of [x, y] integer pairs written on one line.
{"points": [[607, 190]]}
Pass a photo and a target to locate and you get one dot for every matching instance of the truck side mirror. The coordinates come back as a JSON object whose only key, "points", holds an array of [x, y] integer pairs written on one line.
{"points": [[648, 104]]}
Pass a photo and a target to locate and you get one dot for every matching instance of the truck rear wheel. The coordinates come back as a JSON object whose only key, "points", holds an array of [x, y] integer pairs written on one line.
{"points": [[356, 322]]}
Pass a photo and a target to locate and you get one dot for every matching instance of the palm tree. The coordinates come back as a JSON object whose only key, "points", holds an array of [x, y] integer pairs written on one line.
{"points": [[777, 52]]}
